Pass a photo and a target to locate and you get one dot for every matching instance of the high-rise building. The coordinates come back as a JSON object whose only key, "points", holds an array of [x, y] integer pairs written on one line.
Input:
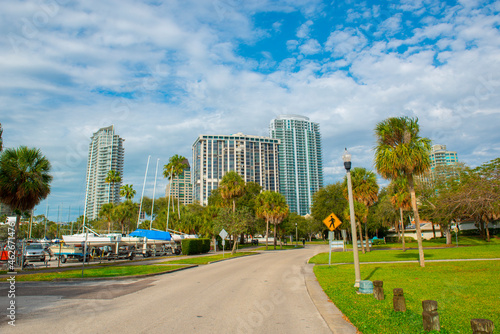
{"points": [[441, 157], [105, 153], [181, 185], [442, 162], [254, 158], [300, 160]]}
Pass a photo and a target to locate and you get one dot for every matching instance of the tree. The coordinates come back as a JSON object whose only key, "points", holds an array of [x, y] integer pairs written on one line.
{"points": [[172, 170], [123, 214], [327, 200], [401, 200], [127, 191], [231, 187], [273, 208], [476, 196], [24, 180], [106, 212], [113, 177], [401, 152], [364, 190]]}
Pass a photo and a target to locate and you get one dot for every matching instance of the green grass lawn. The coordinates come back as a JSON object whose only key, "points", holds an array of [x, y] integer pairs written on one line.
{"points": [[463, 291], [207, 259], [470, 252], [113, 271]]}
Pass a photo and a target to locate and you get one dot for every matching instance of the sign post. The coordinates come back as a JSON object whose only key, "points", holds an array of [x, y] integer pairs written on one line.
{"points": [[330, 239], [331, 222], [223, 235]]}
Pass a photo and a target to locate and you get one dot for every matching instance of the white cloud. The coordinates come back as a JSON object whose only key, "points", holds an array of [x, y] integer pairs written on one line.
{"points": [[304, 30]]}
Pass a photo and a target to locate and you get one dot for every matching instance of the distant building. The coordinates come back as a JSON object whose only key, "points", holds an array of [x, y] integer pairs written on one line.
{"points": [[105, 153], [254, 158], [182, 188], [441, 160], [300, 160], [442, 157]]}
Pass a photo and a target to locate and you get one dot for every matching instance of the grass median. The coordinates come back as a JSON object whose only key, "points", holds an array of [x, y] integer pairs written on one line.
{"points": [[112, 271], [208, 259], [463, 291]]}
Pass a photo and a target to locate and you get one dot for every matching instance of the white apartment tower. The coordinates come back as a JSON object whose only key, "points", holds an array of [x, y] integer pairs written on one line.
{"points": [[255, 158], [105, 153], [300, 160]]}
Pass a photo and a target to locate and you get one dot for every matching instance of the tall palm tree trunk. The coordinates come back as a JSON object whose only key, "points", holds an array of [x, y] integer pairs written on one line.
{"points": [[366, 236], [402, 228], [178, 198], [361, 238], [267, 231], [274, 236], [421, 259]]}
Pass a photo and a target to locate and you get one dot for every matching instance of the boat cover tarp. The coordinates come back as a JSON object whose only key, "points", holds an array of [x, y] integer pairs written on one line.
{"points": [[152, 234]]}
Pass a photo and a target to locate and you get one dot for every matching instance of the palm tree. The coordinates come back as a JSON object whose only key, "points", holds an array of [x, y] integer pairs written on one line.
{"points": [[231, 187], [106, 212], [24, 180], [127, 191], [172, 170], [401, 152], [401, 200], [365, 191], [273, 208], [113, 177]]}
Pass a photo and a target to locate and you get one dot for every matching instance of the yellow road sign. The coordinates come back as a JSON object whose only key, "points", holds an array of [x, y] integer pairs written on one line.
{"points": [[332, 222]]}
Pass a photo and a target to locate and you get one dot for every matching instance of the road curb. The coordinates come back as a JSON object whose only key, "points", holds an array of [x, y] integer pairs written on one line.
{"points": [[331, 314]]}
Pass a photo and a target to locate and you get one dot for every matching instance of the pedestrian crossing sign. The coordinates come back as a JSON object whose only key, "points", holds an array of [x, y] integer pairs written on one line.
{"points": [[332, 222]]}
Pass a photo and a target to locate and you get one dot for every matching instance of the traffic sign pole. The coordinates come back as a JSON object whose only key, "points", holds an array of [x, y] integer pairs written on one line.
{"points": [[330, 239]]}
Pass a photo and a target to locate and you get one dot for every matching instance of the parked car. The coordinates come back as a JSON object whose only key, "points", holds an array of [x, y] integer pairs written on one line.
{"points": [[35, 252]]}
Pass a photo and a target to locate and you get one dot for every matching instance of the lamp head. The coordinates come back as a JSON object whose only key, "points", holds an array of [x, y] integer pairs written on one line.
{"points": [[347, 160]]}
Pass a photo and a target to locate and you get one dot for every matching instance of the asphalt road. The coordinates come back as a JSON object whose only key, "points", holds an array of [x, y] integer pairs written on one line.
{"points": [[265, 293]]}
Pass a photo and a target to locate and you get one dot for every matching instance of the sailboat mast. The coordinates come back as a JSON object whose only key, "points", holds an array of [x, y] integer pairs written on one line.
{"points": [[154, 193], [142, 195]]}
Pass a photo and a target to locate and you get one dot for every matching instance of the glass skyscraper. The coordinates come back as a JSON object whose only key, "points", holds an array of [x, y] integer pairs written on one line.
{"points": [[254, 158], [300, 160], [105, 153]]}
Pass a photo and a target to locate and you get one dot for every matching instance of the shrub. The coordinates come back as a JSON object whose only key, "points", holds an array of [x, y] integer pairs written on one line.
{"points": [[195, 246], [205, 245]]}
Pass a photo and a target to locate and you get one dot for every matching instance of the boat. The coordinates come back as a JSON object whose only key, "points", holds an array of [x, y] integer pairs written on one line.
{"points": [[91, 239]]}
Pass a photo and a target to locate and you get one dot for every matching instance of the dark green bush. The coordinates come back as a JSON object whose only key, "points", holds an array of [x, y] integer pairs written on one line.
{"points": [[195, 246], [205, 245]]}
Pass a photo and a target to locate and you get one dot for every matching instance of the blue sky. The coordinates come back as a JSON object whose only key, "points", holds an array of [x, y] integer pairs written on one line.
{"points": [[164, 72]]}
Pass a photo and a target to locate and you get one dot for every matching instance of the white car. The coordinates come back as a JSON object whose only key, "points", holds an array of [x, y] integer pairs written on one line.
{"points": [[34, 252]]}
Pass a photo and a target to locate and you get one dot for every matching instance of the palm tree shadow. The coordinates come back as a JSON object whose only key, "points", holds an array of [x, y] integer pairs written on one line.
{"points": [[371, 274], [411, 256]]}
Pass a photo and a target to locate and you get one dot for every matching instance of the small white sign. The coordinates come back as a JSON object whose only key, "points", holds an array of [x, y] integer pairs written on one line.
{"points": [[223, 234]]}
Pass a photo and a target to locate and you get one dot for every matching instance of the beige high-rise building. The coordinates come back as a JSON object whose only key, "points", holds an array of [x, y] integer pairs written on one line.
{"points": [[255, 158]]}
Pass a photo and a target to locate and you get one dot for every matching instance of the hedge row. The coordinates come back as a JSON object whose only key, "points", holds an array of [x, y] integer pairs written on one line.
{"points": [[195, 246]]}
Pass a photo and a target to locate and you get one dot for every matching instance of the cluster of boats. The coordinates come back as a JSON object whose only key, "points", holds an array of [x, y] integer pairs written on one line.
{"points": [[116, 246]]}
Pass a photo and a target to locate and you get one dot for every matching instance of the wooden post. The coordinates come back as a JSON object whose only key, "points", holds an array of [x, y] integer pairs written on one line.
{"points": [[482, 326], [398, 300], [378, 290], [430, 316]]}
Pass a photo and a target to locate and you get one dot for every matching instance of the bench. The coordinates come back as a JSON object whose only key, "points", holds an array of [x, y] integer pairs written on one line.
{"points": [[364, 243]]}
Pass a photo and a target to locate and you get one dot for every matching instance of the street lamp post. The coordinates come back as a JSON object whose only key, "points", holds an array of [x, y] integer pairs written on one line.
{"points": [[296, 235], [347, 164]]}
